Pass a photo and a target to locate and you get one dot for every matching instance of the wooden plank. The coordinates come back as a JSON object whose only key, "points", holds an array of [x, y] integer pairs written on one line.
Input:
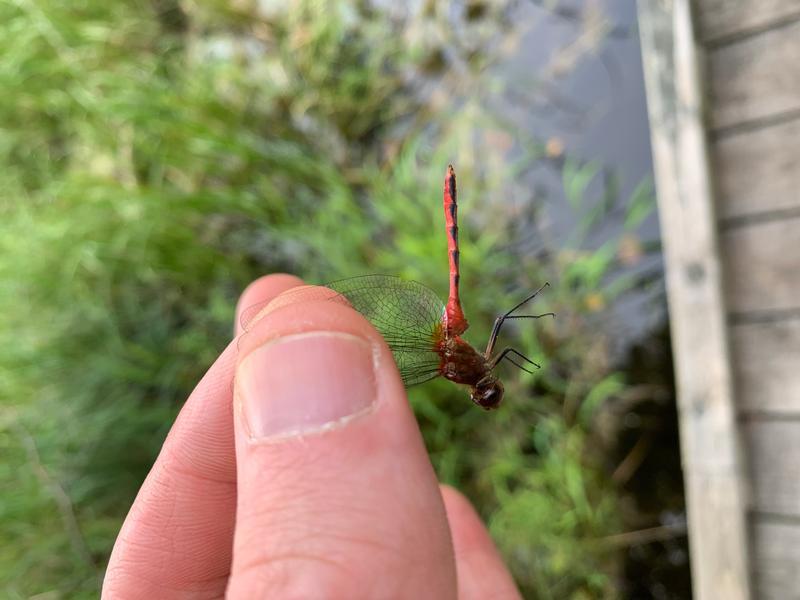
{"points": [[709, 442], [762, 263], [777, 559], [758, 171], [757, 78], [724, 18], [767, 358], [774, 459]]}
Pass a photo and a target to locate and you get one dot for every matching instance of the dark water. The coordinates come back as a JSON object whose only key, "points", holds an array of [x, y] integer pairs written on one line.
{"points": [[598, 110], [650, 477]]}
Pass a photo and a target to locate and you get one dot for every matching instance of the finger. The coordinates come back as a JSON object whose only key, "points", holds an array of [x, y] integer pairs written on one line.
{"points": [[481, 570], [262, 290], [177, 538], [336, 495]]}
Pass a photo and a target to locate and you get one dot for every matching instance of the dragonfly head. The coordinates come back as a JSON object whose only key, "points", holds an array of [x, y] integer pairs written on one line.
{"points": [[487, 393]]}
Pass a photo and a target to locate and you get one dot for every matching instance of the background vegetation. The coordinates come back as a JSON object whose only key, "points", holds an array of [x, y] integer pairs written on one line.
{"points": [[157, 156]]}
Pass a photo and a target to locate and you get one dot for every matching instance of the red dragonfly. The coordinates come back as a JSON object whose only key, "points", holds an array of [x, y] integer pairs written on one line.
{"points": [[424, 334]]}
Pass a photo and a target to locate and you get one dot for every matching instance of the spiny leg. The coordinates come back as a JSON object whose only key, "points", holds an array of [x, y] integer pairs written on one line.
{"points": [[529, 298], [498, 322], [505, 355], [519, 366]]}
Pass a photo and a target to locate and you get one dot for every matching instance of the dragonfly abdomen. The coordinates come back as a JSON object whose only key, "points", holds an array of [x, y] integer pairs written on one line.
{"points": [[455, 322]]}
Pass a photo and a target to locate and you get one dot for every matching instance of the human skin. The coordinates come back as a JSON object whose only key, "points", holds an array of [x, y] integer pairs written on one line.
{"points": [[296, 469]]}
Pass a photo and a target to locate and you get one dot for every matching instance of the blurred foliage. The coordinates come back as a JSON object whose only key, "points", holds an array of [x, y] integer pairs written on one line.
{"points": [[157, 156]]}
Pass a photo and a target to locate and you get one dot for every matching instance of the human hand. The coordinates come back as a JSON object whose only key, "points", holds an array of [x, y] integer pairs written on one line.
{"points": [[307, 479]]}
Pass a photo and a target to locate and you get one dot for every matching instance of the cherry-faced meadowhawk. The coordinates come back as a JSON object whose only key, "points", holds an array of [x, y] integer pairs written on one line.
{"points": [[424, 334]]}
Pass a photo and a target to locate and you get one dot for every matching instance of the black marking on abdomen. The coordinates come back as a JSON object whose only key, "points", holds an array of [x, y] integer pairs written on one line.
{"points": [[455, 254], [454, 233]]}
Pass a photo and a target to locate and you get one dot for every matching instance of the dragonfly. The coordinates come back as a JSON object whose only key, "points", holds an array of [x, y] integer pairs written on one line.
{"points": [[423, 333]]}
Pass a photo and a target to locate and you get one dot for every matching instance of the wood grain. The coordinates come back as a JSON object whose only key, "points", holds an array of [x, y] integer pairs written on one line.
{"points": [[709, 441], [767, 364], [724, 18], [773, 454], [756, 78], [776, 547], [758, 171], [762, 266]]}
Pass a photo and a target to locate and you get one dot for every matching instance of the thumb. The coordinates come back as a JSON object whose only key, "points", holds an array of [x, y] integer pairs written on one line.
{"points": [[336, 495]]}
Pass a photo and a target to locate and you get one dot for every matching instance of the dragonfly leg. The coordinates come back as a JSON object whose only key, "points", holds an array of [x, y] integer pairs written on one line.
{"points": [[513, 351], [498, 322], [519, 366]]}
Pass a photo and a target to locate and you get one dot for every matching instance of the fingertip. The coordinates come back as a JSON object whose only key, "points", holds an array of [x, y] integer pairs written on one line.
{"points": [[464, 521], [263, 290], [479, 566]]}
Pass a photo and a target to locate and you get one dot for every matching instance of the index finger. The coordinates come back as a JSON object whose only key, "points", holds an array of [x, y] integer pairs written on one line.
{"points": [[178, 535]]}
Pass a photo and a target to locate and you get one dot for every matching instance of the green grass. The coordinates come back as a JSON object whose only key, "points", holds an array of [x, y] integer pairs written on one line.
{"points": [[153, 163]]}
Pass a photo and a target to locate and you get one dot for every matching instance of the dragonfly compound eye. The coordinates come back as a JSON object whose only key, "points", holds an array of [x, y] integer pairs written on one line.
{"points": [[488, 395]]}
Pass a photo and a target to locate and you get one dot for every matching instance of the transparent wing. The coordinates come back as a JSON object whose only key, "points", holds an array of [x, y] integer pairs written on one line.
{"points": [[407, 314]]}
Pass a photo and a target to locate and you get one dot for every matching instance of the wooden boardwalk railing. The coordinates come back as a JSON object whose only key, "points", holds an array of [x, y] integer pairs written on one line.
{"points": [[723, 84]]}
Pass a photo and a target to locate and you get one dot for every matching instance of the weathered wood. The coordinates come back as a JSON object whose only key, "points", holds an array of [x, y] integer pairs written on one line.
{"points": [[758, 171], [773, 449], [767, 360], [724, 18], [709, 440], [756, 78], [777, 559], [762, 266]]}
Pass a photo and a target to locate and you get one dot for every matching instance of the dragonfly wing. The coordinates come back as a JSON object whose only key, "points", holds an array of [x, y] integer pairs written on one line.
{"points": [[417, 368], [407, 314]]}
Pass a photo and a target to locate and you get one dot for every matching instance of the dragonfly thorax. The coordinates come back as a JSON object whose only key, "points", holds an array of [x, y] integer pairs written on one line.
{"points": [[463, 364]]}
